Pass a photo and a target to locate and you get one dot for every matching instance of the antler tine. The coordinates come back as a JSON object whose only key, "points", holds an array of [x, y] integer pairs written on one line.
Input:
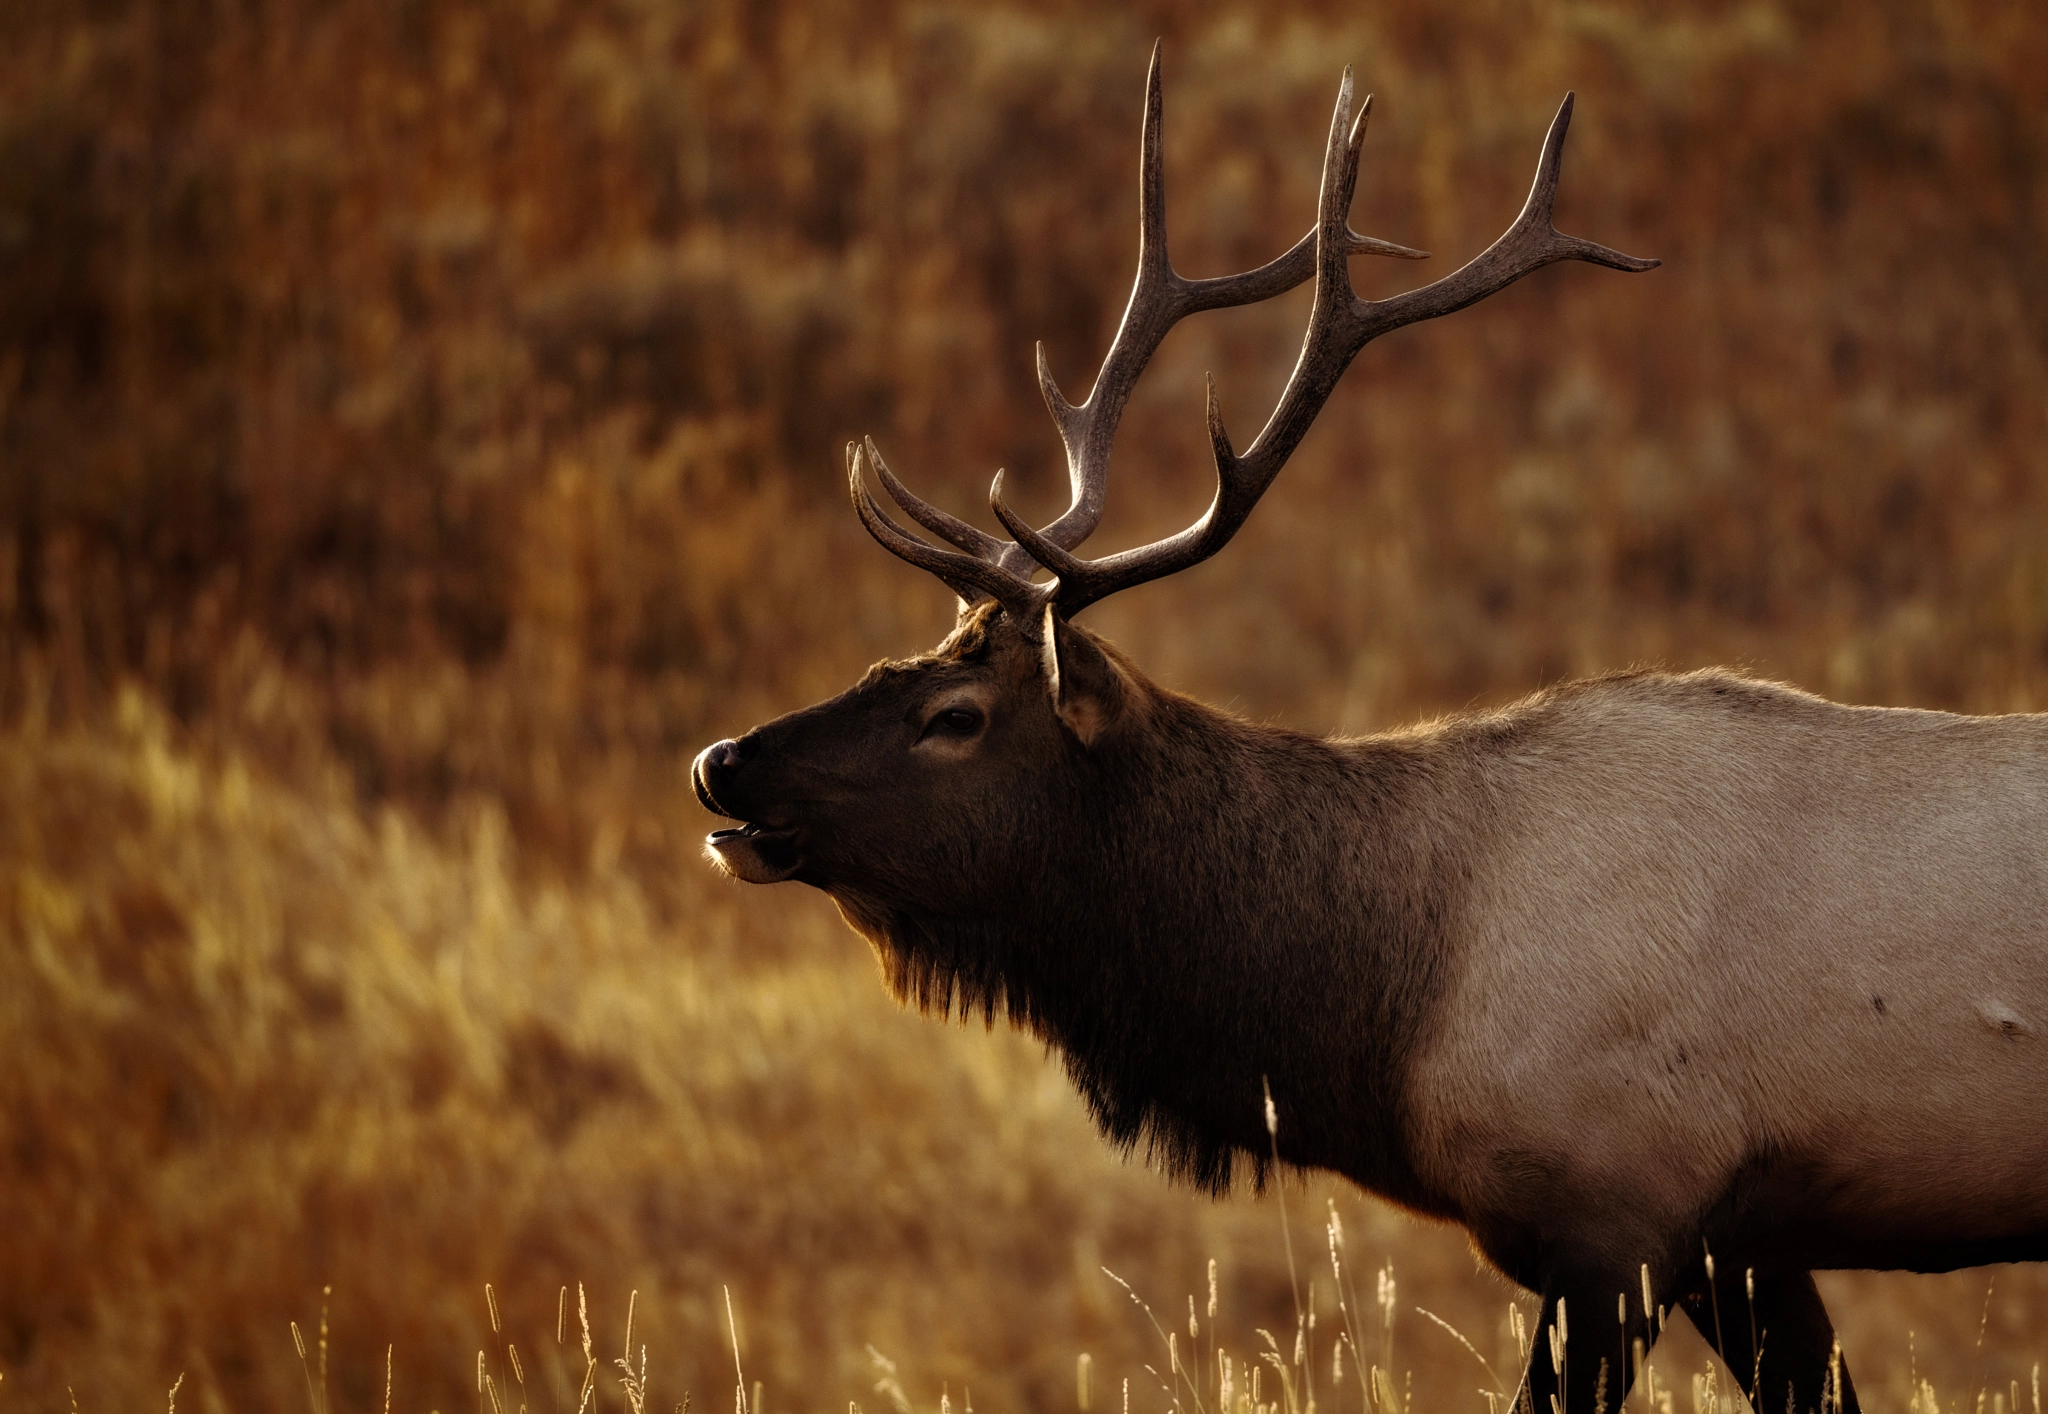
{"points": [[972, 539], [1529, 244], [966, 575], [1340, 324], [1160, 298]]}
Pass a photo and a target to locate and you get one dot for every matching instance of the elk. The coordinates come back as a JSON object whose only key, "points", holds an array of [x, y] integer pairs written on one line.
{"points": [[1639, 974]]}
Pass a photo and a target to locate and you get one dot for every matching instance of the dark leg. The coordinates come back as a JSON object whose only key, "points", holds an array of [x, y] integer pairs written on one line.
{"points": [[1796, 1369], [1598, 1353]]}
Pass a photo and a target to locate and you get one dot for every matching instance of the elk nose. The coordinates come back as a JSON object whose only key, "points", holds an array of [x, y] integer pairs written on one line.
{"points": [[715, 767]]}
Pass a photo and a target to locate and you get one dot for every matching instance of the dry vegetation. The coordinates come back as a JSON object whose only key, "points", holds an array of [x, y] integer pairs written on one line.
{"points": [[418, 428]]}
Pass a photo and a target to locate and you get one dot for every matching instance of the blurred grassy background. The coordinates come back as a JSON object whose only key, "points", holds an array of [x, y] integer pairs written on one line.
{"points": [[418, 436]]}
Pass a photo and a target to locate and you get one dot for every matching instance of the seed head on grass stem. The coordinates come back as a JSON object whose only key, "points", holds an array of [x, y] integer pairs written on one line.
{"points": [[1459, 1336], [299, 1342], [733, 1326], [1713, 1298], [1172, 1347], [1280, 1193], [589, 1391]]}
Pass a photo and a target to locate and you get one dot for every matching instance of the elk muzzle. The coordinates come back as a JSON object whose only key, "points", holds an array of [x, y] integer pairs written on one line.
{"points": [[755, 852]]}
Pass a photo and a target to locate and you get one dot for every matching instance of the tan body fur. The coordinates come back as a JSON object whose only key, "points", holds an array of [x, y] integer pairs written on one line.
{"points": [[1715, 924]]}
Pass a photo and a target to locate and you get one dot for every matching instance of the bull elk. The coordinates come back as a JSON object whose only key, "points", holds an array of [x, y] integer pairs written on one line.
{"points": [[1639, 973]]}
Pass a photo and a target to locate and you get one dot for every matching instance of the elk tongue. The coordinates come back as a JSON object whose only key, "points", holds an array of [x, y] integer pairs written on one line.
{"points": [[756, 854]]}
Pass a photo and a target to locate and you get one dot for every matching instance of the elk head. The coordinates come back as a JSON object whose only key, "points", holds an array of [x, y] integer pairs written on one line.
{"points": [[936, 782]]}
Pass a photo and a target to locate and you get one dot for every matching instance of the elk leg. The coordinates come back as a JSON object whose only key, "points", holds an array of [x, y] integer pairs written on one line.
{"points": [[1597, 1353], [1796, 1367]]}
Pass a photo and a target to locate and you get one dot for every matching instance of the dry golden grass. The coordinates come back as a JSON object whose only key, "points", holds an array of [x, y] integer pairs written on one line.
{"points": [[418, 435], [268, 1044]]}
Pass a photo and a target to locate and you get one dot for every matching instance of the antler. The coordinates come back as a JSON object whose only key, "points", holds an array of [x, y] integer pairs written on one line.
{"points": [[1160, 298], [1340, 324]]}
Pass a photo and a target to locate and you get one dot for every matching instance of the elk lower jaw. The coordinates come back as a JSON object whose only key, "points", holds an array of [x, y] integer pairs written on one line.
{"points": [[755, 854]]}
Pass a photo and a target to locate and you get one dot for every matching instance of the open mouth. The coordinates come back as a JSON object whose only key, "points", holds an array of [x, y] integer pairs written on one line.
{"points": [[755, 853]]}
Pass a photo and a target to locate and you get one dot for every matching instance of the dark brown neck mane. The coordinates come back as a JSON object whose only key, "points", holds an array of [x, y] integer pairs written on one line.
{"points": [[1238, 906]]}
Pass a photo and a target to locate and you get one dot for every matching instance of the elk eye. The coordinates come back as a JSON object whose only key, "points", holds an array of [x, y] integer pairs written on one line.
{"points": [[958, 721]]}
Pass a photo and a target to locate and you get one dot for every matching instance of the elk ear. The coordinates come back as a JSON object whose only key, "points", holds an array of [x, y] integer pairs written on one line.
{"points": [[1088, 691]]}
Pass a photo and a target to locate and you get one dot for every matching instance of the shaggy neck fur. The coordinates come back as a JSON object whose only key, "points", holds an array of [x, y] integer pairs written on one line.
{"points": [[1196, 930]]}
